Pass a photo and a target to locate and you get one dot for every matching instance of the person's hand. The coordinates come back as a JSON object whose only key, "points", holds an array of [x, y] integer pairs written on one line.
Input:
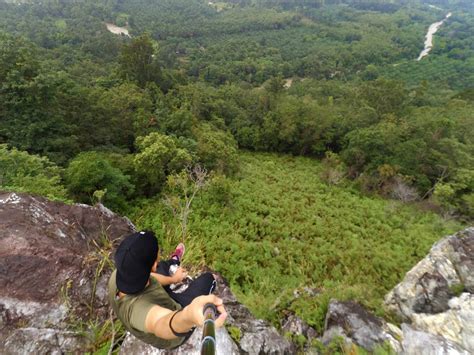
{"points": [[195, 310], [179, 275]]}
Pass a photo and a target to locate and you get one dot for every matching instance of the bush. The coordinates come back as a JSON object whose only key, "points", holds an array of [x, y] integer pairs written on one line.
{"points": [[456, 196], [217, 150], [22, 172], [89, 172], [158, 157]]}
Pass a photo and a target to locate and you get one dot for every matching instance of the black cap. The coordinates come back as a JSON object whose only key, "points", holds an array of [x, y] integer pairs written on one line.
{"points": [[134, 259]]}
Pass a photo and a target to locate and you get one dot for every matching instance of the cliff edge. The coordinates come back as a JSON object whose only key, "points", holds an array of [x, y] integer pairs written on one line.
{"points": [[55, 260]]}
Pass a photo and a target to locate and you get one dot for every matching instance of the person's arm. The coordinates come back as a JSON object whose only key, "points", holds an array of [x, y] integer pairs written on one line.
{"points": [[177, 277], [158, 318]]}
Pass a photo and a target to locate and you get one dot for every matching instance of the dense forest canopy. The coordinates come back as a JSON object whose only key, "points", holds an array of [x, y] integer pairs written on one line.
{"points": [[225, 68], [87, 115]]}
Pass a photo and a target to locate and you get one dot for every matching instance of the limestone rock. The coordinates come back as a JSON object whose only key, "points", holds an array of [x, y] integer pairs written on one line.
{"points": [[441, 323], [49, 254], [224, 345], [463, 258], [428, 287], [417, 342], [455, 325], [257, 336], [295, 325], [355, 324], [426, 298], [27, 341]]}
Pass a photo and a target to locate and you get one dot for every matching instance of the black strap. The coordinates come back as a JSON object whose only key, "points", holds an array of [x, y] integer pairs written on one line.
{"points": [[175, 332]]}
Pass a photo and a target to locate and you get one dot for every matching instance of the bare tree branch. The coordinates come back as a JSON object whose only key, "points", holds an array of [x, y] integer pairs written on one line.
{"points": [[188, 184]]}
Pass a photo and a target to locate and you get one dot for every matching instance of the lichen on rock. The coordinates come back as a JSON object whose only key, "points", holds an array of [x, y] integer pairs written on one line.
{"points": [[353, 323], [49, 261], [436, 297], [427, 288]]}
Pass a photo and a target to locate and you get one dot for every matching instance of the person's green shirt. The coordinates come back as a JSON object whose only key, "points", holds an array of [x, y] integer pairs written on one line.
{"points": [[133, 309]]}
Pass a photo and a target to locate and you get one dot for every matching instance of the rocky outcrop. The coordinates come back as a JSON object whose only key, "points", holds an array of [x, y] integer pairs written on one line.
{"points": [[49, 263], [428, 287], [427, 297], [455, 325], [434, 300], [416, 342], [44, 341], [294, 325], [356, 325]]}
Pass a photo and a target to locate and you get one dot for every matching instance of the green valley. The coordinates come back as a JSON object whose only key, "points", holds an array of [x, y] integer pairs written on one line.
{"points": [[321, 158], [277, 227]]}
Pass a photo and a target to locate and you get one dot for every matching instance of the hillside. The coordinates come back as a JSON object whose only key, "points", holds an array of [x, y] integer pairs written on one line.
{"points": [[322, 159]]}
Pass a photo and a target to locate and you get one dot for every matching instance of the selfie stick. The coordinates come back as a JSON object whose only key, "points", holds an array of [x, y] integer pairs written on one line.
{"points": [[208, 342]]}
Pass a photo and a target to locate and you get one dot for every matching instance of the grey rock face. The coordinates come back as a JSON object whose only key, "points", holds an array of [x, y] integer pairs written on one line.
{"points": [[352, 322], [257, 337], [436, 294], [450, 332], [417, 342], [427, 288], [224, 345], [295, 325], [455, 325], [463, 258], [426, 299], [28, 341], [48, 261]]}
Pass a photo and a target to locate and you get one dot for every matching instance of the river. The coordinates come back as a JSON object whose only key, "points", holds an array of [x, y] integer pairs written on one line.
{"points": [[429, 37]]}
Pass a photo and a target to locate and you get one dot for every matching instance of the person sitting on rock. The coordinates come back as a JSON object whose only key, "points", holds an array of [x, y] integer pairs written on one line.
{"points": [[141, 298]]}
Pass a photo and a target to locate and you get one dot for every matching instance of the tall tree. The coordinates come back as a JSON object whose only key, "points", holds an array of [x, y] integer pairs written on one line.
{"points": [[137, 61]]}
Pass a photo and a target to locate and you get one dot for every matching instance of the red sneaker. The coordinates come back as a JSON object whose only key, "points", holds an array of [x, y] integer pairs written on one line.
{"points": [[178, 252]]}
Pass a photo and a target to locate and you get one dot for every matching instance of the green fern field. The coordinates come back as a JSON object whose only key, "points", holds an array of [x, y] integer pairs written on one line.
{"points": [[276, 228]]}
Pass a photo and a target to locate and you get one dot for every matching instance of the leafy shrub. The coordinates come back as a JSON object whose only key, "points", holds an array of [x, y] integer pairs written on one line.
{"points": [[89, 172], [22, 172], [457, 195], [216, 149], [158, 157]]}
